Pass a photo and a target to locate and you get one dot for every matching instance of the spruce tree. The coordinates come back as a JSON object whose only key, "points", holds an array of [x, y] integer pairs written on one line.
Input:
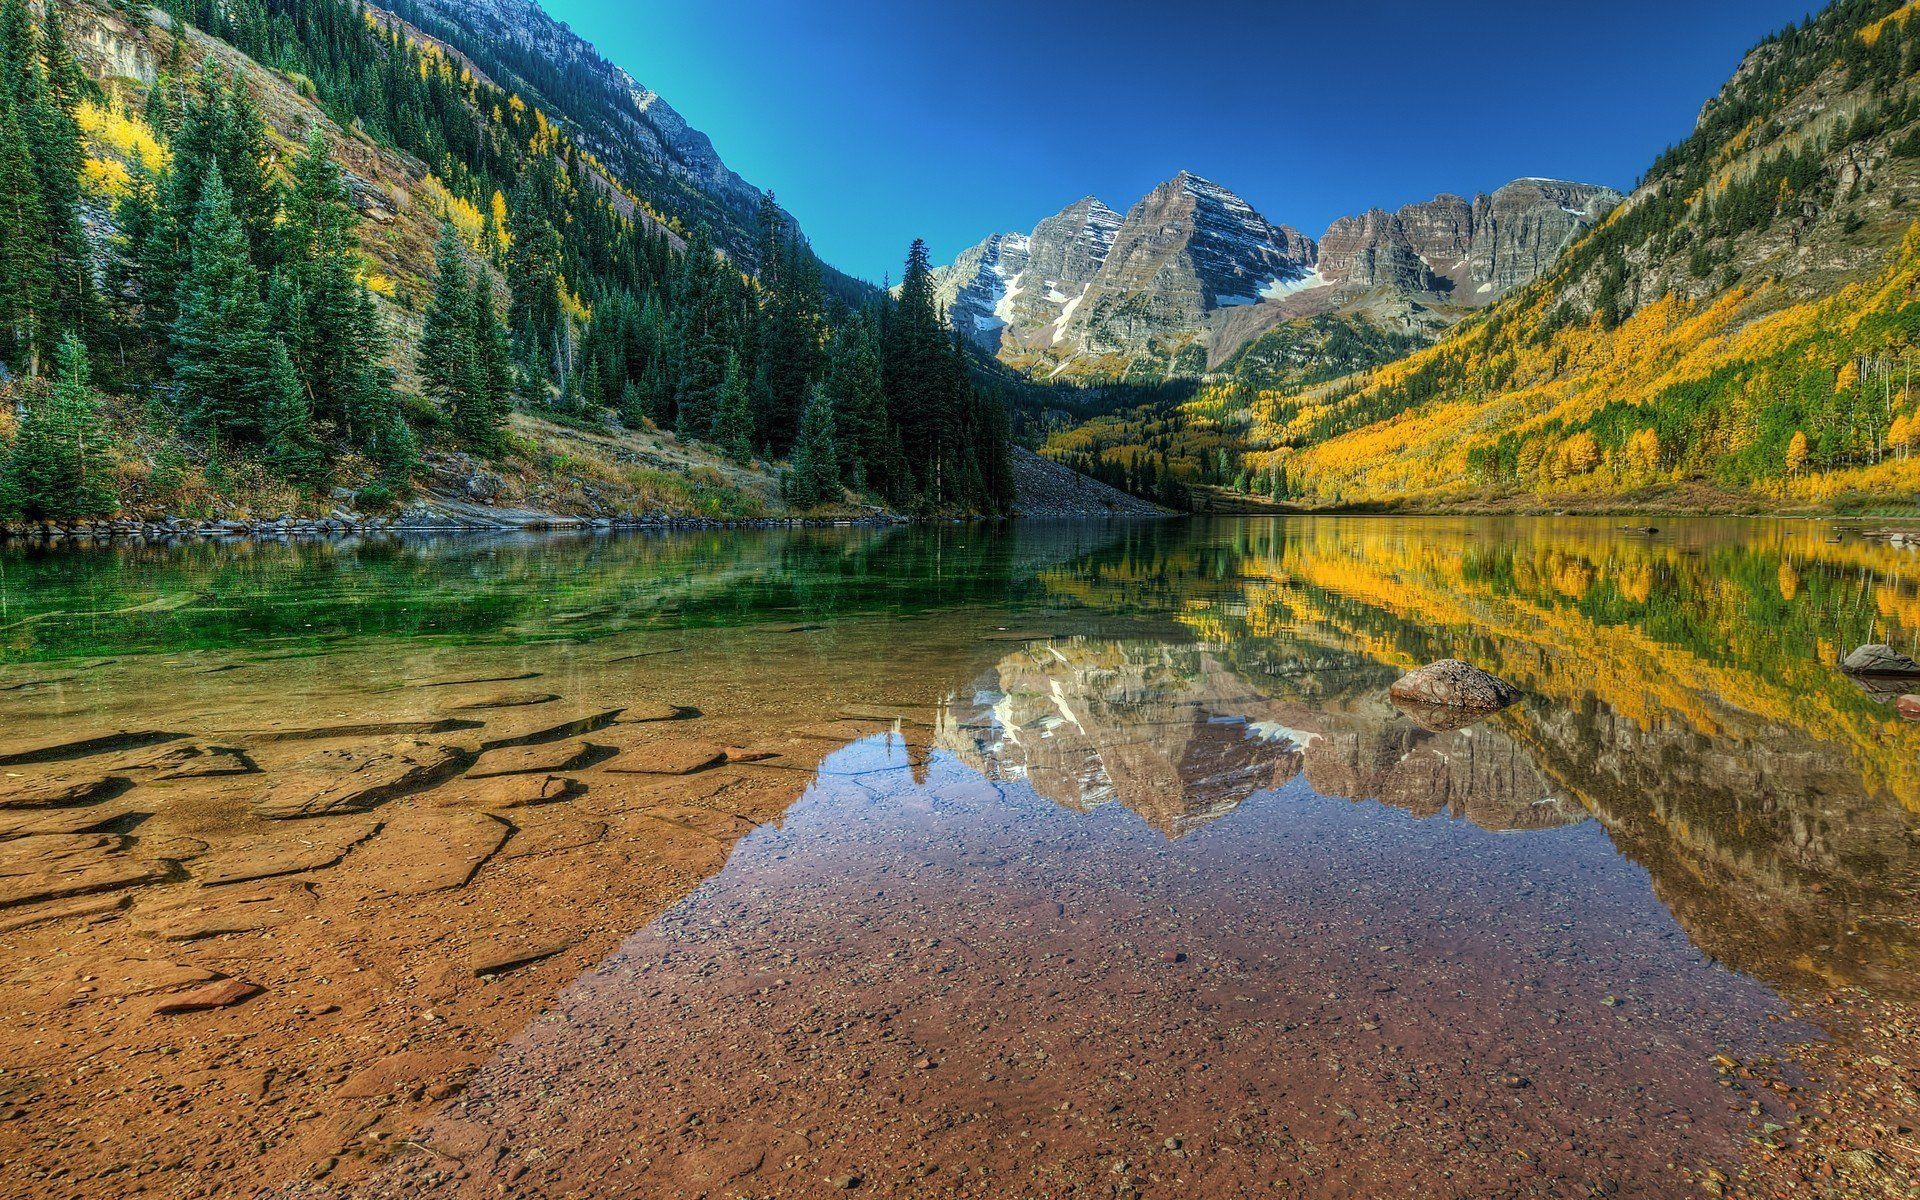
{"points": [[26, 284], [240, 147], [733, 423], [66, 82], [323, 306], [61, 464], [813, 474], [286, 421], [485, 422], [223, 341], [867, 447], [19, 53], [139, 278], [533, 277], [447, 359]]}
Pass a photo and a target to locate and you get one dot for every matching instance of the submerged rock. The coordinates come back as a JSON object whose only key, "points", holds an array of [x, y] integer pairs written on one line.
{"points": [[354, 779], [1451, 683], [222, 994], [1879, 660]]}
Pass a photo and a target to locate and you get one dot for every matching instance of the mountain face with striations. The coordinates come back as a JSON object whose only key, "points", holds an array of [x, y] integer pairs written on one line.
{"points": [[1194, 276]]}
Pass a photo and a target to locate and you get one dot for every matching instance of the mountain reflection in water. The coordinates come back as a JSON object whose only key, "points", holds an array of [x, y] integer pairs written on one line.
{"points": [[1685, 759]]}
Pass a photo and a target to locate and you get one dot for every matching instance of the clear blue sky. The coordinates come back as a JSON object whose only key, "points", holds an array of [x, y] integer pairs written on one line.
{"points": [[878, 121]]}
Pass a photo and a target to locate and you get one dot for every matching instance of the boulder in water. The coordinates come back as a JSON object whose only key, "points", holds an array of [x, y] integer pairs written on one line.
{"points": [[1451, 683], [1879, 660]]}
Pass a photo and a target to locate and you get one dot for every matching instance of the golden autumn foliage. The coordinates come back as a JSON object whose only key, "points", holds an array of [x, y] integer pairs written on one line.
{"points": [[1872, 34], [456, 211], [1743, 353], [110, 133]]}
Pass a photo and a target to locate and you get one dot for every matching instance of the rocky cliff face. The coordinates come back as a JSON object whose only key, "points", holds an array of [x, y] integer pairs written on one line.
{"points": [[1520, 230], [1194, 273], [1017, 290], [1374, 251], [1187, 250], [1474, 252]]}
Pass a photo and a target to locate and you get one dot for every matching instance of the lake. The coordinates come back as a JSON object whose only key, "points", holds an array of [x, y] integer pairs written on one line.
{"points": [[1047, 860]]}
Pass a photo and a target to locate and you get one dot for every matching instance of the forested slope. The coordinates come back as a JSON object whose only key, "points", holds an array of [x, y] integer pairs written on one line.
{"points": [[262, 250], [1743, 325]]}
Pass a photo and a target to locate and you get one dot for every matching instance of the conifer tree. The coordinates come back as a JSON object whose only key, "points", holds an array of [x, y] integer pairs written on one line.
{"points": [[448, 360], [26, 284], [240, 147], [326, 316], [485, 419], [19, 53], [286, 421], [813, 474], [533, 278], [868, 447], [61, 463], [138, 279], [223, 342], [66, 82], [733, 423], [702, 338]]}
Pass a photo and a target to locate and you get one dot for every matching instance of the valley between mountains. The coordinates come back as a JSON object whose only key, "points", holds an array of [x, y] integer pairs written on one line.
{"points": [[457, 262]]}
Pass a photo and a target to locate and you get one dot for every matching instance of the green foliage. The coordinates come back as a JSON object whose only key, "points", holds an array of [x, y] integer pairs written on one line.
{"points": [[958, 437], [237, 307], [463, 357], [225, 352], [813, 475], [61, 462], [733, 423], [1320, 349]]}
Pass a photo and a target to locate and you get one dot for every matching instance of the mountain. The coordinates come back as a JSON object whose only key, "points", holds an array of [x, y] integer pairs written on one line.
{"points": [[1740, 332], [288, 255], [623, 123], [1193, 280]]}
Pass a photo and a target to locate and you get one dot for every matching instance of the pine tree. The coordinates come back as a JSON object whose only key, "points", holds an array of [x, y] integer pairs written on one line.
{"points": [[26, 285], [140, 278], [533, 277], [286, 422], [447, 359], [321, 298], [733, 423], [702, 338], [813, 475], [223, 342], [66, 82], [867, 445], [61, 464], [240, 147], [789, 342], [19, 53], [485, 420]]}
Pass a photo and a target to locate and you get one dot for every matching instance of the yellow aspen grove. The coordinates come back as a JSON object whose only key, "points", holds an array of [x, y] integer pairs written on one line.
{"points": [[1849, 377], [1797, 453], [1643, 451]]}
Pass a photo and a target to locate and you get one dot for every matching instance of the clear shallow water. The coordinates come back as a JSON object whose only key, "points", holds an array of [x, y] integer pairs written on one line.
{"points": [[1088, 859]]}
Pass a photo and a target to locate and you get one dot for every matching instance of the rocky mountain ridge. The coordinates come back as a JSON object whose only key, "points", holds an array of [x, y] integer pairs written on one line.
{"points": [[641, 138], [1194, 273]]}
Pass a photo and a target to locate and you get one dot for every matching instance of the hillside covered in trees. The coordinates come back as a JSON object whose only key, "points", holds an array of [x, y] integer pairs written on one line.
{"points": [[262, 251], [1739, 334]]}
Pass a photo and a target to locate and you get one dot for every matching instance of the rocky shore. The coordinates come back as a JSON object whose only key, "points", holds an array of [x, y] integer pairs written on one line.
{"points": [[420, 520]]}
